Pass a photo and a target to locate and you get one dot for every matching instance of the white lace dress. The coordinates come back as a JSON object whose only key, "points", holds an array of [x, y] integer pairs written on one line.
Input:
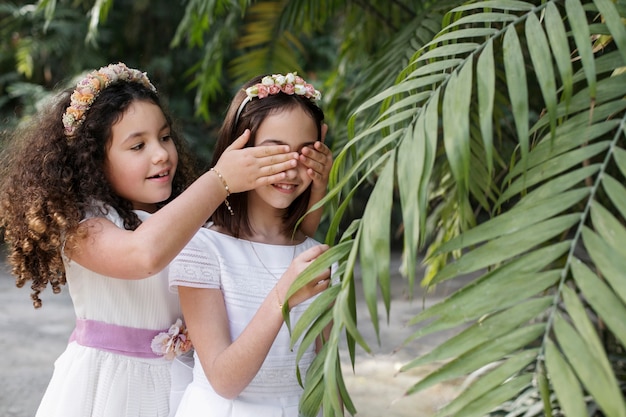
{"points": [[215, 260], [121, 377]]}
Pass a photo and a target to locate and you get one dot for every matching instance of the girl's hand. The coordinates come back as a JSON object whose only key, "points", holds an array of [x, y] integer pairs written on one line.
{"points": [[244, 169], [319, 160], [299, 264]]}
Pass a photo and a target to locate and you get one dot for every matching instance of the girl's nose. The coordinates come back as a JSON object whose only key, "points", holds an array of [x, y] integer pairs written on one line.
{"points": [[291, 174], [161, 154]]}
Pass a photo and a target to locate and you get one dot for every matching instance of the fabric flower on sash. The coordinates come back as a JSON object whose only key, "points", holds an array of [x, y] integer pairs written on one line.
{"points": [[172, 343]]}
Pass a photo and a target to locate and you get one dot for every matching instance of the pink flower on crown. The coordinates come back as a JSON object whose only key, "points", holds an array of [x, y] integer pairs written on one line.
{"points": [[262, 90], [273, 89], [311, 91], [116, 72], [288, 89]]}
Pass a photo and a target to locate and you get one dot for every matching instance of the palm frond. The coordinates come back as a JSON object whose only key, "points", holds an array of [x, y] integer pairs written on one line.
{"points": [[568, 339], [550, 253]]}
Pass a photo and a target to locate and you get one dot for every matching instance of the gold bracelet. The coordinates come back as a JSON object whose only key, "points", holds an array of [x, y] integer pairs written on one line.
{"points": [[225, 184], [280, 305]]}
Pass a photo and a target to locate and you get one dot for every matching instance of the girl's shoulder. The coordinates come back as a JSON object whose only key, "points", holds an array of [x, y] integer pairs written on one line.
{"points": [[310, 242], [212, 240], [99, 209]]}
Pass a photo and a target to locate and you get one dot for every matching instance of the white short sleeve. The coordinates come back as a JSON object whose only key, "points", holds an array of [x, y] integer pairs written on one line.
{"points": [[197, 265]]}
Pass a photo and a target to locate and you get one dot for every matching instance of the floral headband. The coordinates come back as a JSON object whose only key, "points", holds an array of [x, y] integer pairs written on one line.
{"points": [[289, 83], [88, 89]]}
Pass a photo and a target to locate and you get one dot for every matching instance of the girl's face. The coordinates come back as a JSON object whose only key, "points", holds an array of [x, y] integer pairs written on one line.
{"points": [[293, 127], [141, 157]]}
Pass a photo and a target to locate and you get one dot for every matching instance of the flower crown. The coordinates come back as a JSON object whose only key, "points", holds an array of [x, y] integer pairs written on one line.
{"points": [[88, 89], [289, 83]]}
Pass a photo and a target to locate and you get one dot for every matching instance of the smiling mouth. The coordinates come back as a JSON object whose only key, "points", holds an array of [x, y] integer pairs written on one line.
{"points": [[285, 186], [161, 175]]}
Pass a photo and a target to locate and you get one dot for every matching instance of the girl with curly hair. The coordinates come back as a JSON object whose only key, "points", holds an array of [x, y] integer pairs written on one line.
{"points": [[98, 191]]}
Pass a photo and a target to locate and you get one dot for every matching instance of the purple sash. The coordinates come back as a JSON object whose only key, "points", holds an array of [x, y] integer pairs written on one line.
{"points": [[128, 341]]}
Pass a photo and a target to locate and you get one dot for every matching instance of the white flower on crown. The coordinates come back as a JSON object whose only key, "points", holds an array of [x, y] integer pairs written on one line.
{"points": [[280, 79], [300, 89]]}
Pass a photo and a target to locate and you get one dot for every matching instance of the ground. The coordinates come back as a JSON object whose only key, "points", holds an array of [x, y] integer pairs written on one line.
{"points": [[32, 340]]}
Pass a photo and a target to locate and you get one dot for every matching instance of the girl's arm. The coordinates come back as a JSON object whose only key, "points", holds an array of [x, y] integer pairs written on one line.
{"points": [[231, 365], [136, 254], [318, 160]]}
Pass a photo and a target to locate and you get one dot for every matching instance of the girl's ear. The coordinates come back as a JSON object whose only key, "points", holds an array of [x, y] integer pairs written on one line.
{"points": [[324, 130]]}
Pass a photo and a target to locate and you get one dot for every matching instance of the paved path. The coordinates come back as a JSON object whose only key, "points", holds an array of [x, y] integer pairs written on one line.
{"points": [[32, 339]]}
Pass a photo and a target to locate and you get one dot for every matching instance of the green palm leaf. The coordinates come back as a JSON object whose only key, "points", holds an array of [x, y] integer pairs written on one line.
{"points": [[550, 203], [473, 359], [495, 397], [566, 385], [479, 394]]}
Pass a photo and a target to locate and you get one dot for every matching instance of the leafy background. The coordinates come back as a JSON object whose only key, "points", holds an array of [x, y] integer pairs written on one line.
{"points": [[486, 136]]}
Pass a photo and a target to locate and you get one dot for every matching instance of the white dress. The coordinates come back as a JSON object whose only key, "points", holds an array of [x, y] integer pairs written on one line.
{"points": [[216, 260], [125, 379]]}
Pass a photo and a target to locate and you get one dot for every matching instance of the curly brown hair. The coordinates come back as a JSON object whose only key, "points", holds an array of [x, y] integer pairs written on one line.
{"points": [[48, 182], [252, 115]]}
